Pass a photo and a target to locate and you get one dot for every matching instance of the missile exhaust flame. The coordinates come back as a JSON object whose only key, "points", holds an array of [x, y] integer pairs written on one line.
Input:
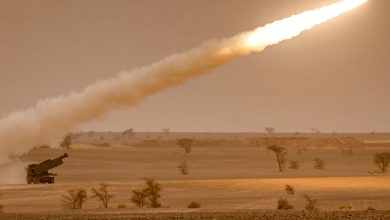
{"points": [[290, 27], [50, 119]]}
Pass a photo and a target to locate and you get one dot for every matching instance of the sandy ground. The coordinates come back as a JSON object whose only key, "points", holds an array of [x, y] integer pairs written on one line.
{"points": [[221, 178], [203, 215]]}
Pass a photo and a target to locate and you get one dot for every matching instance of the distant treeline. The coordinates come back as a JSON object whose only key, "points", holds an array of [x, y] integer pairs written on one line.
{"points": [[167, 139]]}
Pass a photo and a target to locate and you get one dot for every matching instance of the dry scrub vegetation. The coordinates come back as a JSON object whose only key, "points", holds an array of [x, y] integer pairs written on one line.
{"points": [[289, 189], [186, 144], [193, 205], [149, 196], [226, 215], [183, 168], [319, 164], [102, 194], [311, 204], [294, 165], [382, 161], [74, 198], [283, 204], [280, 154]]}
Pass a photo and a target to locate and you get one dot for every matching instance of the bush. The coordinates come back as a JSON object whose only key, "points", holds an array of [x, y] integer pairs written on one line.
{"points": [[345, 207], [319, 164], [121, 206], [193, 205], [311, 204], [294, 165], [183, 168], [289, 190], [284, 205], [74, 199]]}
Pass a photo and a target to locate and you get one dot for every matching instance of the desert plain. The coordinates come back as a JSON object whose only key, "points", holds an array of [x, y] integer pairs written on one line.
{"points": [[227, 171]]}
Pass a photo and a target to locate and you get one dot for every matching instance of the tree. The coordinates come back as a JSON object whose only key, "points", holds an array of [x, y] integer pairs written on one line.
{"points": [[382, 161], [311, 204], [74, 199], [128, 132], [185, 143], [139, 198], [270, 131], [102, 194], [280, 153], [152, 191], [67, 142], [149, 195], [319, 164], [183, 168]]}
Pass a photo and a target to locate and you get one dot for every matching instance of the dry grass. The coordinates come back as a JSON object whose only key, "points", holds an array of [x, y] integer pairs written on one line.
{"points": [[222, 215], [222, 178]]}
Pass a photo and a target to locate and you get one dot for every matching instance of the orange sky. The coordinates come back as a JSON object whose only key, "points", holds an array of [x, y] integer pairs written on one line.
{"points": [[334, 78]]}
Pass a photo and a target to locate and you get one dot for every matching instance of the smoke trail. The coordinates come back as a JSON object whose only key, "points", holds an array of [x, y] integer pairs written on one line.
{"points": [[13, 173], [50, 119]]}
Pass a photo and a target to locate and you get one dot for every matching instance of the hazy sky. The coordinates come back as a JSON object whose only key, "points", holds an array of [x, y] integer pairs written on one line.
{"points": [[335, 77]]}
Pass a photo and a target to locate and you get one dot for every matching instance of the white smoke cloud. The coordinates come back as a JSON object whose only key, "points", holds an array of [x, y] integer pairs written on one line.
{"points": [[50, 119], [13, 173]]}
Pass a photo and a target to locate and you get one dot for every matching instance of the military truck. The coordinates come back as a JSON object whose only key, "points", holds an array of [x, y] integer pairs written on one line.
{"points": [[39, 173]]}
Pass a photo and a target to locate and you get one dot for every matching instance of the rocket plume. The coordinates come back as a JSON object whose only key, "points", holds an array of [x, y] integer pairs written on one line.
{"points": [[50, 119]]}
